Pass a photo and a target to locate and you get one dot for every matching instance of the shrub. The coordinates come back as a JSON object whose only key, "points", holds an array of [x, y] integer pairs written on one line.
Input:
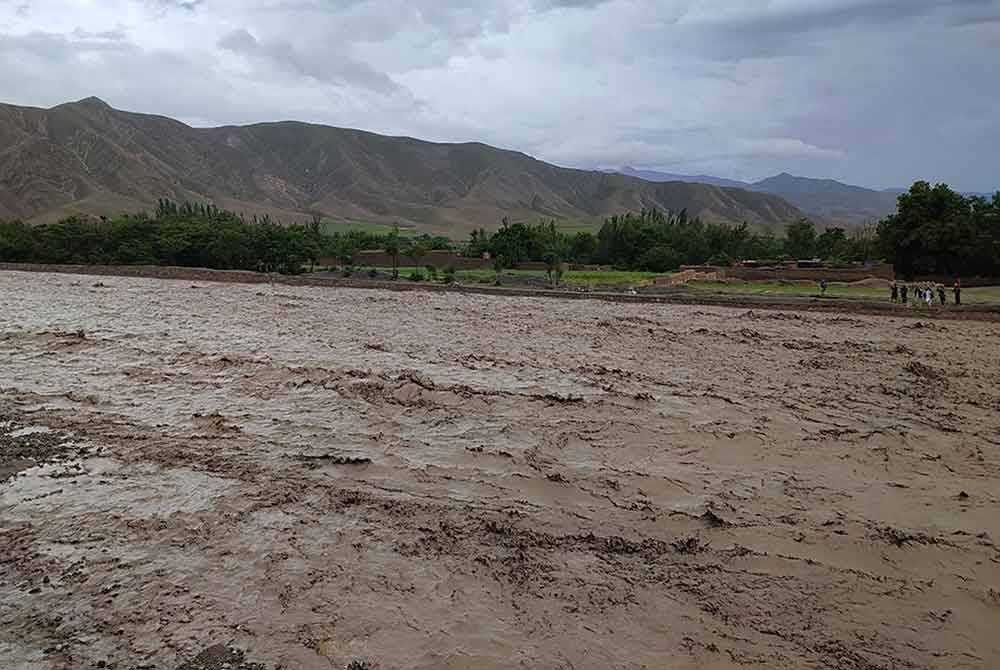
{"points": [[449, 275], [347, 271], [432, 272], [660, 259], [720, 260], [417, 275], [372, 273]]}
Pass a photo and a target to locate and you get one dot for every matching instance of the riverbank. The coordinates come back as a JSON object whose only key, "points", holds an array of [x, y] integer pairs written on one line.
{"points": [[673, 295]]}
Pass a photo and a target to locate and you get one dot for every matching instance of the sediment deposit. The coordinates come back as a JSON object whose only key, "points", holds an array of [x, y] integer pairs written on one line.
{"points": [[324, 477]]}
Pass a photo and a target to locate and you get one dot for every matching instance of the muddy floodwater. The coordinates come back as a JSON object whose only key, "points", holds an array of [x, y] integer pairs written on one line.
{"points": [[333, 478]]}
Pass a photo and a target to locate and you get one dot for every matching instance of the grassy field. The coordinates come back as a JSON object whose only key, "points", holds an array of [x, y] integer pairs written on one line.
{"points": [[981, 295]]}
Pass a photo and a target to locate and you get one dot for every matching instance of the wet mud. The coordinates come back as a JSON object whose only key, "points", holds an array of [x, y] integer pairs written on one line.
{"points": [[226, 475]]}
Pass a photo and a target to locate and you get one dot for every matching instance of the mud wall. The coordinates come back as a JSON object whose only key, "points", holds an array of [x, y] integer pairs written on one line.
{"points": [[881, 271], [438, 259], [442, 259]]}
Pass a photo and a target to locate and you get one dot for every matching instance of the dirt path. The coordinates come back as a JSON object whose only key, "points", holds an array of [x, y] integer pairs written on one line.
{"points": [[372, 479]]}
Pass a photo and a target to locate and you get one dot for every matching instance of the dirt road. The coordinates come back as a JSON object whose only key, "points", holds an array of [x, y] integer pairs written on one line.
{"points": [[335, 477]]}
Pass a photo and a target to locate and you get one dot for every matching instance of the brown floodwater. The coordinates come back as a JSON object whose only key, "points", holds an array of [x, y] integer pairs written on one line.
{"points": [[320, 477]]}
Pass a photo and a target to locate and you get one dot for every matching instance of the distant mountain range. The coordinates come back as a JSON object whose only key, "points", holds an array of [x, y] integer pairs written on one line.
{"points": [[87, 157], [827, 200]]}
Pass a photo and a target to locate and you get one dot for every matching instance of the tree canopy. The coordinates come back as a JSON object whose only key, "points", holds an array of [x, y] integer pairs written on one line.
{"points": [[938, 231], [189, 235]]}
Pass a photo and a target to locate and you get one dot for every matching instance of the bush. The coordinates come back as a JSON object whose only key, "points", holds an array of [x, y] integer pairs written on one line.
{"points": [[449, 275], [417, 275], [720, 260], [372, 273], [432, 272], [660, 259], [348, 271], [839, 263]]}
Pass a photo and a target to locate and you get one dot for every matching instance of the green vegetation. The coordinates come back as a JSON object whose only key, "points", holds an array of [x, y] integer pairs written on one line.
{"points": [[978, 295], [655, 241], [938, 231], [935, 231], [186, 235], [791, 288]]}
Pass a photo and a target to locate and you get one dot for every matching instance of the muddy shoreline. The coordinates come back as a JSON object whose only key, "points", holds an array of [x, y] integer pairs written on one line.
{"points": [[679, 296], [264, 476]]}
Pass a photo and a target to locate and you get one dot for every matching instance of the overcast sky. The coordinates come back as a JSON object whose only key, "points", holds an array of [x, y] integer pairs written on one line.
{"points": [[875, 92]]}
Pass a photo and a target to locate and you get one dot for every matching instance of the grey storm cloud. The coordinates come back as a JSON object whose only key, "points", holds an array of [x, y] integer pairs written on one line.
{"points": [[311, 60], [878, 92]]}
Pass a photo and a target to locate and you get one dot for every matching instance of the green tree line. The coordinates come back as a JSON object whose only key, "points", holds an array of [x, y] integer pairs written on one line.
{"points": [[934, 231], [658, 241], [190, 235]]}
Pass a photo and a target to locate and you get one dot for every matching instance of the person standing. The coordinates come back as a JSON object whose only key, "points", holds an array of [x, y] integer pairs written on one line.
{"points": [[894, 288], [942, 295], [929, 296], [904, 291], [958, 291]]}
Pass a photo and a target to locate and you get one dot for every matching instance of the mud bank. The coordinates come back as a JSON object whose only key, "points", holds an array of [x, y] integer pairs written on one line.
{"points": [[373, 479], [672, 296]]}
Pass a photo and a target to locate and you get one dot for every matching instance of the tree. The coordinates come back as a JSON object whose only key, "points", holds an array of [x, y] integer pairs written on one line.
{"points": [[392, 248], [800, 239], [415, 252], [316, 239], [832, 243], [552, 265], [938, 231], [583, 247], [863, 245], [660, 259], [346, 250], [499, 263]]}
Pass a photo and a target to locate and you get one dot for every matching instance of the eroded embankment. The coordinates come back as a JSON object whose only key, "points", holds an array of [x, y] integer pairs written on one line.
{"points": [[674, 296]]}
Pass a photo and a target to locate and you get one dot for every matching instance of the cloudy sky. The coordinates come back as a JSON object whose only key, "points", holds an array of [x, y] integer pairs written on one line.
{"points": [[875, 92]]}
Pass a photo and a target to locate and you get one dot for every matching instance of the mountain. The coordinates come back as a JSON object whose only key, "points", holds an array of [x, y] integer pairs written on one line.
{"points": [[828, 201], [652, 175], [86, 157]]}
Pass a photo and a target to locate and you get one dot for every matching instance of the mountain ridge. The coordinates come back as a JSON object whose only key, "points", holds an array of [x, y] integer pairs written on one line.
{"points": [[828, 200], [86, 157]]}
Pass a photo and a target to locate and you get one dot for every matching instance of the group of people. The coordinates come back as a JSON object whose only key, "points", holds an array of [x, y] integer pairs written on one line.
{"points": [[924, 292]]}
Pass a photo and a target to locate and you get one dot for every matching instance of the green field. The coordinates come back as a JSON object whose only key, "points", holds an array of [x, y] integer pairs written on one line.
{"points": [[982, 295]]}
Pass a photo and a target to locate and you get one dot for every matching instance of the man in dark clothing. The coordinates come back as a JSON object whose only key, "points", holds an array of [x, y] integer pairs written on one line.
{"points": [[904, 291], [958, 291], [895, 292], [942, 294]]}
